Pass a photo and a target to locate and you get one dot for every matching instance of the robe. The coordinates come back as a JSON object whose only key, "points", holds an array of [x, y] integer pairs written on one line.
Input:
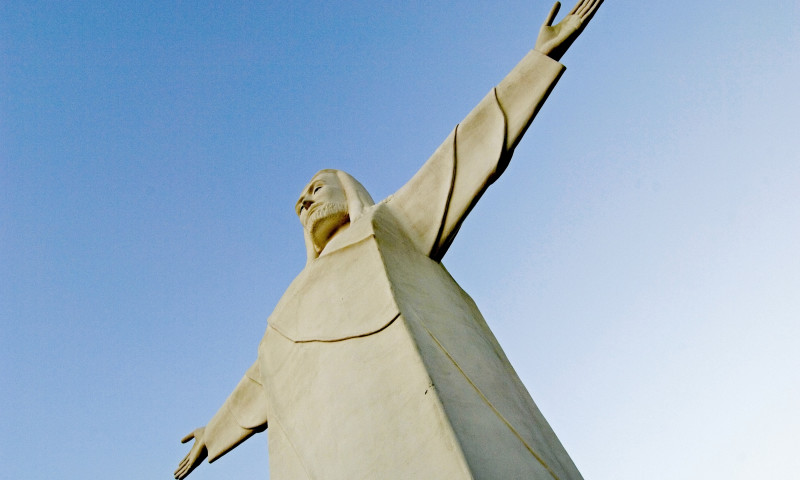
{"points": [[375, 364]]}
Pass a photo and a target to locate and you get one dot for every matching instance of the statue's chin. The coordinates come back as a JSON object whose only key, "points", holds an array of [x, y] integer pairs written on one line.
{"points": [[325, 222]]}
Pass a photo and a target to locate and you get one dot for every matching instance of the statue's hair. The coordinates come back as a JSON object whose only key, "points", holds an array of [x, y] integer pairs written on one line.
{"points": [[358, 200]]}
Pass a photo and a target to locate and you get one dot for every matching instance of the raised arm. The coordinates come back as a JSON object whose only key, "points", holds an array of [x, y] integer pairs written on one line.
{"points": [[434, 203], [517, 95]]}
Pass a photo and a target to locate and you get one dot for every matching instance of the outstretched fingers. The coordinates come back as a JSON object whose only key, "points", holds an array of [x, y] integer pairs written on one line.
{"points": [[552, 15], [185, 468], [588, 9], [181, 473], [186, 464], [183, 463], [578, 5], [181, 468], [594, 8]]}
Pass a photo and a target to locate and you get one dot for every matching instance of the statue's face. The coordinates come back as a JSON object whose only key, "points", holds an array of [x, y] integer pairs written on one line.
{"points": [[322, 208]]}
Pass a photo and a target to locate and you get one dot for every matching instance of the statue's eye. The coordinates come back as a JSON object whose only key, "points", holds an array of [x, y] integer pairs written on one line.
{"points": [[317, 188]]}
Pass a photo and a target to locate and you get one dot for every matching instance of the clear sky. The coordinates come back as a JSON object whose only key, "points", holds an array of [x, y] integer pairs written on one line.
{"points": [[638, 260]]}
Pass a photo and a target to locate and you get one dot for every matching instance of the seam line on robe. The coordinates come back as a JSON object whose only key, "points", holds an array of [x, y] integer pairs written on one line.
{"points": [[436, 243], [296, 453], [486, 400], [338, 339], [502, 161], [505, 153]]}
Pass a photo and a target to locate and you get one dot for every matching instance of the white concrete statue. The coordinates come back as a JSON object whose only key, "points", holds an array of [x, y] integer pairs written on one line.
{"points": [[375, 364]]}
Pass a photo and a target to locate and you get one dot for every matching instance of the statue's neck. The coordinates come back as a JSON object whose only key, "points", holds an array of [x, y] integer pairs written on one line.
{"points": [[330, 237]]}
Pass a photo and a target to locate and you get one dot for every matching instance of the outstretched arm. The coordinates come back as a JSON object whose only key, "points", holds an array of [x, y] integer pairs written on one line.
{"points": [[518, 100], [243, 414], [434, 203]]}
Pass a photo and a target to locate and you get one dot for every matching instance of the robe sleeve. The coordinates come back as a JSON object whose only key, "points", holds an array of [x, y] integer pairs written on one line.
{"points": [[434, 203], [243, 414]]}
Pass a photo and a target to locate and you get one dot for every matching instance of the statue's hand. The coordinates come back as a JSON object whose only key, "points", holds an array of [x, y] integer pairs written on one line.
{"points": [[554, 41], [196, 455]]}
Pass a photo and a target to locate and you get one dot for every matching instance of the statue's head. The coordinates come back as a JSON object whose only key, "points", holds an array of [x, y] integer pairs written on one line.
{"points": [[330, 201]]}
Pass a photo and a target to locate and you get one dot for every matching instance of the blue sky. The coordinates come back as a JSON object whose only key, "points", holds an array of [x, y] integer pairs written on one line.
{"points": [[638, 260]]}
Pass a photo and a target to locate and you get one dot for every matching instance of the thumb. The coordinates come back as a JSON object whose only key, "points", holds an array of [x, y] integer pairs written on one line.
{"points": [[552, 15]]}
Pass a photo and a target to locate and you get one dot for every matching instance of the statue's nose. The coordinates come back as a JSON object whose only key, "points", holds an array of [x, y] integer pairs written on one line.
{"points": [[307, 203]]}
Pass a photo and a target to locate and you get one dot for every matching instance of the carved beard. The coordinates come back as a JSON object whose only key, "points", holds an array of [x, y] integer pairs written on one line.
{"points": [[334, 215]]}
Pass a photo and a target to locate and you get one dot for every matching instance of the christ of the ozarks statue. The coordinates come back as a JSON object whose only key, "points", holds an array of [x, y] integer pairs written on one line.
{"points": [[375, 364]]}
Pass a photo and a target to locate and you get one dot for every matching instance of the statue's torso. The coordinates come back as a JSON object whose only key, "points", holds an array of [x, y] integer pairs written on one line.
{"points": [[376, 363]]}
